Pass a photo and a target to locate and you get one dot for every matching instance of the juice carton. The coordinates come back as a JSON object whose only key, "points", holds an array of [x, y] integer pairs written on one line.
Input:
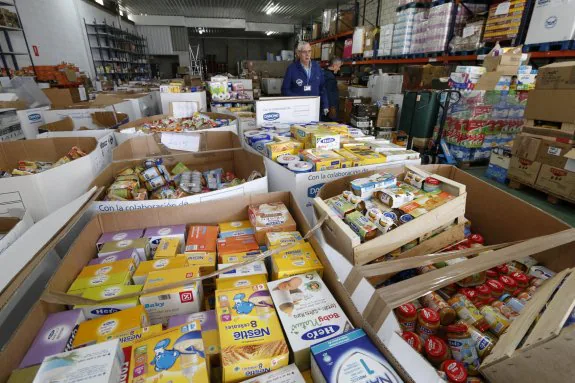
{"points": [[209, 332], [350, 357], [112, 325], [241, 281], [100, 363], [105, 292], [236, 228], [277, 239], [121, 255], [251, 337], [297, 260], [269, 217], [168, 248], [237, 249], [118, 236], [141, 245], [145, 268], [106, 274], [288, 374], [309, 314], [55, 336], [155, 234], [175, 301], [173, 356]]}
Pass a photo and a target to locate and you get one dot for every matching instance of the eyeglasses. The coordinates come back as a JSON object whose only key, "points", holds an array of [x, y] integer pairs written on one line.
{"points": [[306, 52]]}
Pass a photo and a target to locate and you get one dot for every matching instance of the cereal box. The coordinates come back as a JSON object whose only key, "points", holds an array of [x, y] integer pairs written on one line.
{"points": [[180, 300], [236, 228], [350, 357], [276, 149], [201, 239], [322, 159], [241, 281], [126, 254], [237, 249], [173, 356], [251, 337], [205, 261], [277, 239], [209, 332], [106, 274], [105, 292], [100, 363], [155, 235], [296, 260], [55, 336], [268, 217], [368, 156], [118, 236], [254, 268], [288, 374], [141, 245], [302, 133], [168, 248], [128, 339], [309, 314], [112, 325], [141, 273]]}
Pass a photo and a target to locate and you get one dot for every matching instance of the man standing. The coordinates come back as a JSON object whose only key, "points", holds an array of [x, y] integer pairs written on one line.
{"points": [[331, 89], [305, 78]]}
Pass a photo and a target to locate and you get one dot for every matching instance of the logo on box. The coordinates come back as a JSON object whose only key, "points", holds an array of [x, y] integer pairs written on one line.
{"points": [[313, 190], [551, 22], [272, 116], [186, 296], [34, 117]]}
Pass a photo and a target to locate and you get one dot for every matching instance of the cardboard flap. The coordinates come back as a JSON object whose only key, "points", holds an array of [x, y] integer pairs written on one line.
{"points": [[27, 251], [109, 120], [570, 154], [65, 125], [141, 121]]}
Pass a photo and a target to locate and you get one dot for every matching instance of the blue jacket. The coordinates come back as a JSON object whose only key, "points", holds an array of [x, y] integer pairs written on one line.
{"points": [[295, 80], [331, 90]]}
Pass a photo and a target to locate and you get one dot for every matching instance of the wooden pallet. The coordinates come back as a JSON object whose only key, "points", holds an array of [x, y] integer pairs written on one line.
{"points": [[551, 197], [472, 164], [565, 127]]}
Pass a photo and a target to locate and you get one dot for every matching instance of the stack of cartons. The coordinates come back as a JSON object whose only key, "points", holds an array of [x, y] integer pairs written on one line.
{"points": [[543, 155]]}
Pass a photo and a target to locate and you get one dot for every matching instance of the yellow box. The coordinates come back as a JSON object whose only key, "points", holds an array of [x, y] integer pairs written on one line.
{"points": [[368, 156], [236, 228], [111, 326], [209, 332], [302, 133], [168, 248], [137, 335], [106, 292], [205, 261], [241, 281], [163, 304], [276, 149], [238, 257], [297, 260], [104, 274], [337, 128], [281, 238], [147, 267], [173, 356], [323, 139], [251, 336], [322, 159], [350, 158]]}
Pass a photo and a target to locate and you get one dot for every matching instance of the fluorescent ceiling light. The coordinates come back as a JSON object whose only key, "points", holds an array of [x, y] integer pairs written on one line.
{"points": [[269, 33], [271, 8], [201, 31]]}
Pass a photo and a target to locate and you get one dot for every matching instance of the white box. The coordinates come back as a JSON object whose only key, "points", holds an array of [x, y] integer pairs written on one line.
{"points": [[30, 120], [254, 268], [247, 84], [14, 224], [287, 109], [552, 20], [385, 40], [272, 86], [287, 55], [308, 312], [287, 374], [359, 91], [382, 84], [166, 98]]}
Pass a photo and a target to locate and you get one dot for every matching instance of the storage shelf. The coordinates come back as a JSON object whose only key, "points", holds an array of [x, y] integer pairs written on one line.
{"points": [[5, 28], [14, 53], [6, 3], [331, 38]]}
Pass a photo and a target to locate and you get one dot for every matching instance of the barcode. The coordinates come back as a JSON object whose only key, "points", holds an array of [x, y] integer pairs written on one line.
{"points": [[164, 297]]}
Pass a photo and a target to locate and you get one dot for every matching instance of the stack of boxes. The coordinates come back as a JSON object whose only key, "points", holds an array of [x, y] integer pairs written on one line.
{"points": [[405, 23], [504, 20], [543, 156]]}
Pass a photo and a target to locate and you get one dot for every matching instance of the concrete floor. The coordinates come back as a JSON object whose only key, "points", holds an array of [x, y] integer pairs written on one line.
{"points": [[563, 210]]}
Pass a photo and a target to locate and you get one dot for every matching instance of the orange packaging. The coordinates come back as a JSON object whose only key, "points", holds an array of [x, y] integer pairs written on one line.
{"points": [[202, 239], [236, 249]]}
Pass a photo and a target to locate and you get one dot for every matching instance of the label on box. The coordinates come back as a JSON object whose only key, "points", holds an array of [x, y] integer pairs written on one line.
{"points": [[554, 151], [503, 8], [468, 31]]}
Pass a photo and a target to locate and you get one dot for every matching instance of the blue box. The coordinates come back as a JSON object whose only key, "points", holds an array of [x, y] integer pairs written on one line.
{"points": [[496, 173], [350, 357]]}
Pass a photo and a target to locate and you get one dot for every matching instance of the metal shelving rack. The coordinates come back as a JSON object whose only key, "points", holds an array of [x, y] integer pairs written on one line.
{"points": [[127, 52], [6, 30]]}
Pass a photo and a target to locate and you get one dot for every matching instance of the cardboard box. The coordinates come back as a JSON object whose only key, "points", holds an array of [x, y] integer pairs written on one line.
{"points": [[62, 97], [386, 116], [526, 147], [272, 86], [421, 76], [558, 181], [493, 81], [166, 98], [508, 61], [553, 153], [570, 164], [524, 171], [13, 224], [45, 192], [551, 105], [559, 75]]}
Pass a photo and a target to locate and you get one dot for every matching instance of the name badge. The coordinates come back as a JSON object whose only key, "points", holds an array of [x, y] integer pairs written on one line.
{"points": [[307, 88]]}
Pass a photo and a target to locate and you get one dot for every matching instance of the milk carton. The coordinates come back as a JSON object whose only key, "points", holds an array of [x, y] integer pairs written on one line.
{"points": [[309, 314], [350, 357]]}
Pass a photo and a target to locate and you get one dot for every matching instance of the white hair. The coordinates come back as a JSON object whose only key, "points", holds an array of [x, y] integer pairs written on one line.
{"points": [[301, 44]]}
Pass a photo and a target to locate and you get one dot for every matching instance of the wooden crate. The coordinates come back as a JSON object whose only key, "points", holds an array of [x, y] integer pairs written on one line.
{"points": [[342, 238], [547, 350]]}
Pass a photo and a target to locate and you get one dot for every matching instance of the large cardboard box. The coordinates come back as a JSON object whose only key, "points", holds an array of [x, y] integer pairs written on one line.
{"points": [[287, 109], [166, 98], [43, 193], [559, 75], [506, 63], [421, 76], [526, 147], [553, 153], [557, 181], [551, 105], [386, 116], [62, 97], [12, 226], [523, 171]]}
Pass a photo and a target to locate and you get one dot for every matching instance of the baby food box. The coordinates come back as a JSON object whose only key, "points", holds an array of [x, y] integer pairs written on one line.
{"points": [[209, 332], [269, 217], [55, 336], [324, 140], [173, 356], [251, 337], [236, 228], [141, 245], [254, 268], [128, 339], [145, 268], [106, 292], [296, 260], [277, 239], [201, 248], [309, 314], [288, 374], [350, 357], [112, 325], [119, 256], [105, 274], [164, 304], [118, 236], [168, 248], [155, 235], [241, 281], [237, 249], [100, 363]]}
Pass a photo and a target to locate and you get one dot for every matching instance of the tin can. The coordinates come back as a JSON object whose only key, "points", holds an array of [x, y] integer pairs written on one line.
{"points": [[155, 183], [150, 173], [498, 324]]}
